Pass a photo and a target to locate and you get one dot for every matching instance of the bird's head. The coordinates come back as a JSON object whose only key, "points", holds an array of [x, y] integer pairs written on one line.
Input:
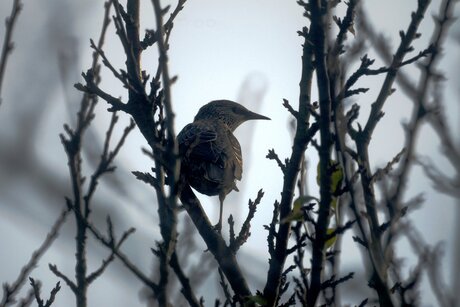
{"points": [[231, 113]]}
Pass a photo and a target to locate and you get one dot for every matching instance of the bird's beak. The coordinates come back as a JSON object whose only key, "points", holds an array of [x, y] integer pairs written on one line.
{"points": [[253, 115]]}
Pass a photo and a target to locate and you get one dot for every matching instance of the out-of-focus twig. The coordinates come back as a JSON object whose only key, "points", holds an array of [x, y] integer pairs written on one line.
{"points": [[114, 247], [185, 282], [7, 46], [36, 288], [11, 290], [362, 139]]}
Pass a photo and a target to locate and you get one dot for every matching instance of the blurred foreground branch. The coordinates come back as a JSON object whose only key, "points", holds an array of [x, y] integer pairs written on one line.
{"points": [[7, 45]]}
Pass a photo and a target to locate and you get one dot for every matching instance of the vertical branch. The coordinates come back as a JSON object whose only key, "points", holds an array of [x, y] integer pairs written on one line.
{"points": [[80, 203], [405, 46], [142, 108], [153, 115], [319, 39], [336, 78], [421, 111], [420, 99], [362, 139], [302, 137], [7, 46], [133, 58], [72, 147], [171, 135], [168, 208]]}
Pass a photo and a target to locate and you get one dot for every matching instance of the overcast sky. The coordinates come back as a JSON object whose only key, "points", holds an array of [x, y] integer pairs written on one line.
{"points": [[242, 50]]}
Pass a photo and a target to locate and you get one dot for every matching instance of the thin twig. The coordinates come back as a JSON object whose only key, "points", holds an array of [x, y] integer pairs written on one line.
{"points": [[245, 229], [8, 46], [92, 88], [105, 163], [36, 288], [10, 291], [107, 63], [185, 282], [123, 258]]}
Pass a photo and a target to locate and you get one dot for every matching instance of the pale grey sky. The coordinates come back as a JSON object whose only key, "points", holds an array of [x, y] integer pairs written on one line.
{"points": [[215, 46]]}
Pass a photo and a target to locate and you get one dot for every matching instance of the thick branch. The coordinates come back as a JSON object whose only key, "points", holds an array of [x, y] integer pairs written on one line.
{"points": [[215, 243], [319, 36]]}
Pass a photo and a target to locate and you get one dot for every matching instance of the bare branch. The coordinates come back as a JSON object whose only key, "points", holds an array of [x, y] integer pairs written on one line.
{"points": [[124, 259], [273, 156], [111, 257], [224, 286], [290, 108], [7, 46], [332, 282], [105, 163], [10, 291], [53, 268], [406, 41], [185, 282], [92, 88], [36, 288], [106, 62], [381, 172], [245, 229], [215, 243]]}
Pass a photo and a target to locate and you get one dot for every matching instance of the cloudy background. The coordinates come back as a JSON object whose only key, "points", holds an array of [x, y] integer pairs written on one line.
{"points": [[246, 51]]}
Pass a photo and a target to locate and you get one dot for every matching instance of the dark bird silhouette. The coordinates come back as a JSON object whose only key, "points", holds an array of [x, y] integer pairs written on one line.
{"points": [[211, 160]]}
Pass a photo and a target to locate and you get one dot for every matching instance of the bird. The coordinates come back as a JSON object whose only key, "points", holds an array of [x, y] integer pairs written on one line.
{"points": [[211, 159]]}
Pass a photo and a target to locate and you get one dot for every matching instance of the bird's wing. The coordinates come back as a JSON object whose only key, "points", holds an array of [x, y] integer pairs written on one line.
{"points": [[238, 159], [196, 141]]}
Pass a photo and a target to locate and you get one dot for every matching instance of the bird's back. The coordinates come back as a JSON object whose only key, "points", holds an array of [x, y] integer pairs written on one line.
{"points": [[210, 157]]}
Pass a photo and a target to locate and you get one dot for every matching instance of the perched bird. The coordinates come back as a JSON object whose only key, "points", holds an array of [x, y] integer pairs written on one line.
{"points": [[211, 160]]}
